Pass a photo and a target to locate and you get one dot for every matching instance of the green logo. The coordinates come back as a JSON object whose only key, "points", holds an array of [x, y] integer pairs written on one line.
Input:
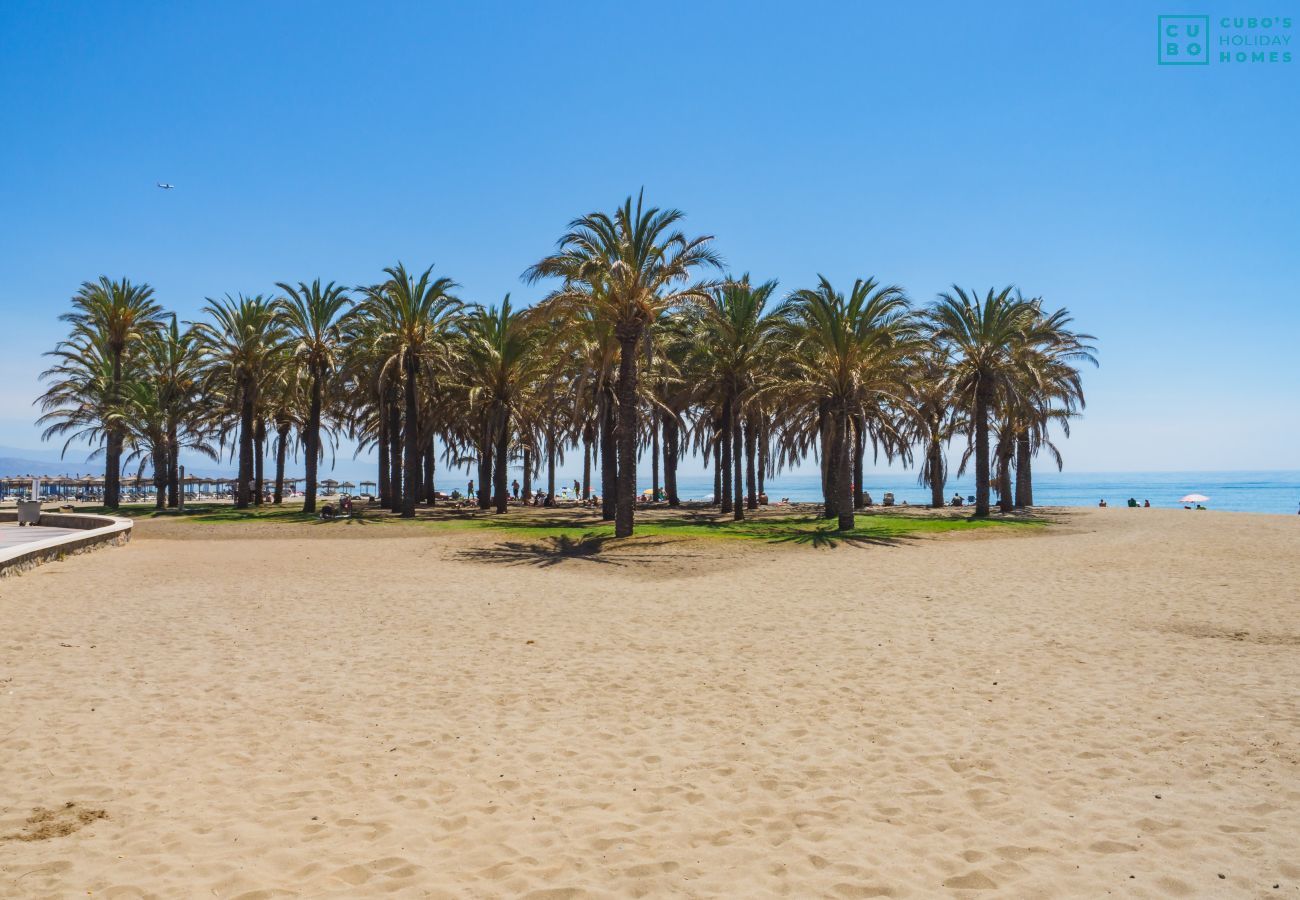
{"points": [[1184, 40]]}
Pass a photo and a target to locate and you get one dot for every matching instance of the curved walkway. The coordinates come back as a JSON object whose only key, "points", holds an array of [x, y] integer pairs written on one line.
{"points": [[57, 535]]}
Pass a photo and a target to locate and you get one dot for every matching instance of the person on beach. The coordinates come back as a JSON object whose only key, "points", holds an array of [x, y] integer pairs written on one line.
{"points": [[1146, 504], [1102, 503], [469, 491], [514, 488]]}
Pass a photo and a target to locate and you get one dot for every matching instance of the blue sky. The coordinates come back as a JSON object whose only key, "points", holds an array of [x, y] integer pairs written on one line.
{"points": [[1026, 143]]}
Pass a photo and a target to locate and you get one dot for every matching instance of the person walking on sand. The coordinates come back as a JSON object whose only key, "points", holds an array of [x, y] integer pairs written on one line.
{"points": [[514, 488]]}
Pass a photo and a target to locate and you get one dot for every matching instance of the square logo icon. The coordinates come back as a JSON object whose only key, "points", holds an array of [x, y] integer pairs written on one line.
{"points": [[1184, 40]]}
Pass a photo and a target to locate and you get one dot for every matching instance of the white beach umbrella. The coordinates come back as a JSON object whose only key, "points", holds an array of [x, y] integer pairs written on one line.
{"points": [[1194, 498]]}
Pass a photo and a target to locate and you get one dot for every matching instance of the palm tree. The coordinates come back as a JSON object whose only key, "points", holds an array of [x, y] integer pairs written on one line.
{"points": [[313, 316], [120, 314], [81, 402], [500, 364], [171, 362], [632, 266], [933, 420], [242, 348], [1048, 389], [730, 338], [981, 337], [843, 355], [414, 318]]}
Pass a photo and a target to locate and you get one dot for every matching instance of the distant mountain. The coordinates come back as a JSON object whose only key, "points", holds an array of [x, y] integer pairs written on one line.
{"points": [[15, 465], [74, 456]]}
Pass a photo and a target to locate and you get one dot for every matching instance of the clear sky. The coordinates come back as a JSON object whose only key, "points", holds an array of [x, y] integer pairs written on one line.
{"points": [[1027, 143]]}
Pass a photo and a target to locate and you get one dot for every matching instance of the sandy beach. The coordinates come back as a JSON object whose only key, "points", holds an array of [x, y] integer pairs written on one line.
{"points": [[1108, 705]]}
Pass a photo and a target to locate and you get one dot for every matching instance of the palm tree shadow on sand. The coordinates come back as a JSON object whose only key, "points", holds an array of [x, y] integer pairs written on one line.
{"points": [[829, 538], [562, 548]]}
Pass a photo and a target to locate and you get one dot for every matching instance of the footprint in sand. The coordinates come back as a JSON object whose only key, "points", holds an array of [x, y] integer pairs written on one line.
{"points": [[44, 824]]}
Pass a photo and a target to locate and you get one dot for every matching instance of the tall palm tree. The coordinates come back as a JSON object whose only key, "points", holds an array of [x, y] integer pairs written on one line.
{"points": [[81, 402], [934, 421], [500, 364], [242, 343], [313, 316], [730, 339], [415, 317], [171, 361], [633, 265], [120, 314], [1048, 389], [981, 337], [843, 355]]}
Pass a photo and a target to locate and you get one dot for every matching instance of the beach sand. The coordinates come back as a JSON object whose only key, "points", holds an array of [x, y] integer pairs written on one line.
{"points": [[1108, 705]]}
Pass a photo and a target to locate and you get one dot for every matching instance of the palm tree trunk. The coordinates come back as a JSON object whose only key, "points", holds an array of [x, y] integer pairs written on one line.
{"points": [[244, 490], [762, 455], [173, 467], [160, 475], [281, 449], [737, 457], [411, 440], [1005, 500], [385, 488], [751, 486], [587, 440], [654, 455], [936, 473], [499, 469], [115, 439], [550, 464], [981, 451], [395, 451], [842, 462], [528, 474], [670, 460], [311, 439], [859, 451], [485, 467], [724, 461], [112, 469], [629, 337], [1024, 474], [609, 461], [259, 461], [830, 466]]}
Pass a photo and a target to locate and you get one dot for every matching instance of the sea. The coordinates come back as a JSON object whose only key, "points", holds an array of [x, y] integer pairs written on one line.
{"points": [[1254, 492]]}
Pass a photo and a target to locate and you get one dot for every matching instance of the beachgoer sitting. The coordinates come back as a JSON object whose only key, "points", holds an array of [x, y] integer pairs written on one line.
{"points": [[1146, 504], [867, 501], [1198, 506], [1132, 503], [328, 511], [1102, 503]]}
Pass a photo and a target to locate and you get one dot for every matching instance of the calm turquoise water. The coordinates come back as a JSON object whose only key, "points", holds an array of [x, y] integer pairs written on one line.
{"points": [[1259, 492]]}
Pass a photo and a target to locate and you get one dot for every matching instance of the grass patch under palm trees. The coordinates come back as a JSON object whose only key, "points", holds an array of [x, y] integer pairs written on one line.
{"points": [[584, 525]]}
